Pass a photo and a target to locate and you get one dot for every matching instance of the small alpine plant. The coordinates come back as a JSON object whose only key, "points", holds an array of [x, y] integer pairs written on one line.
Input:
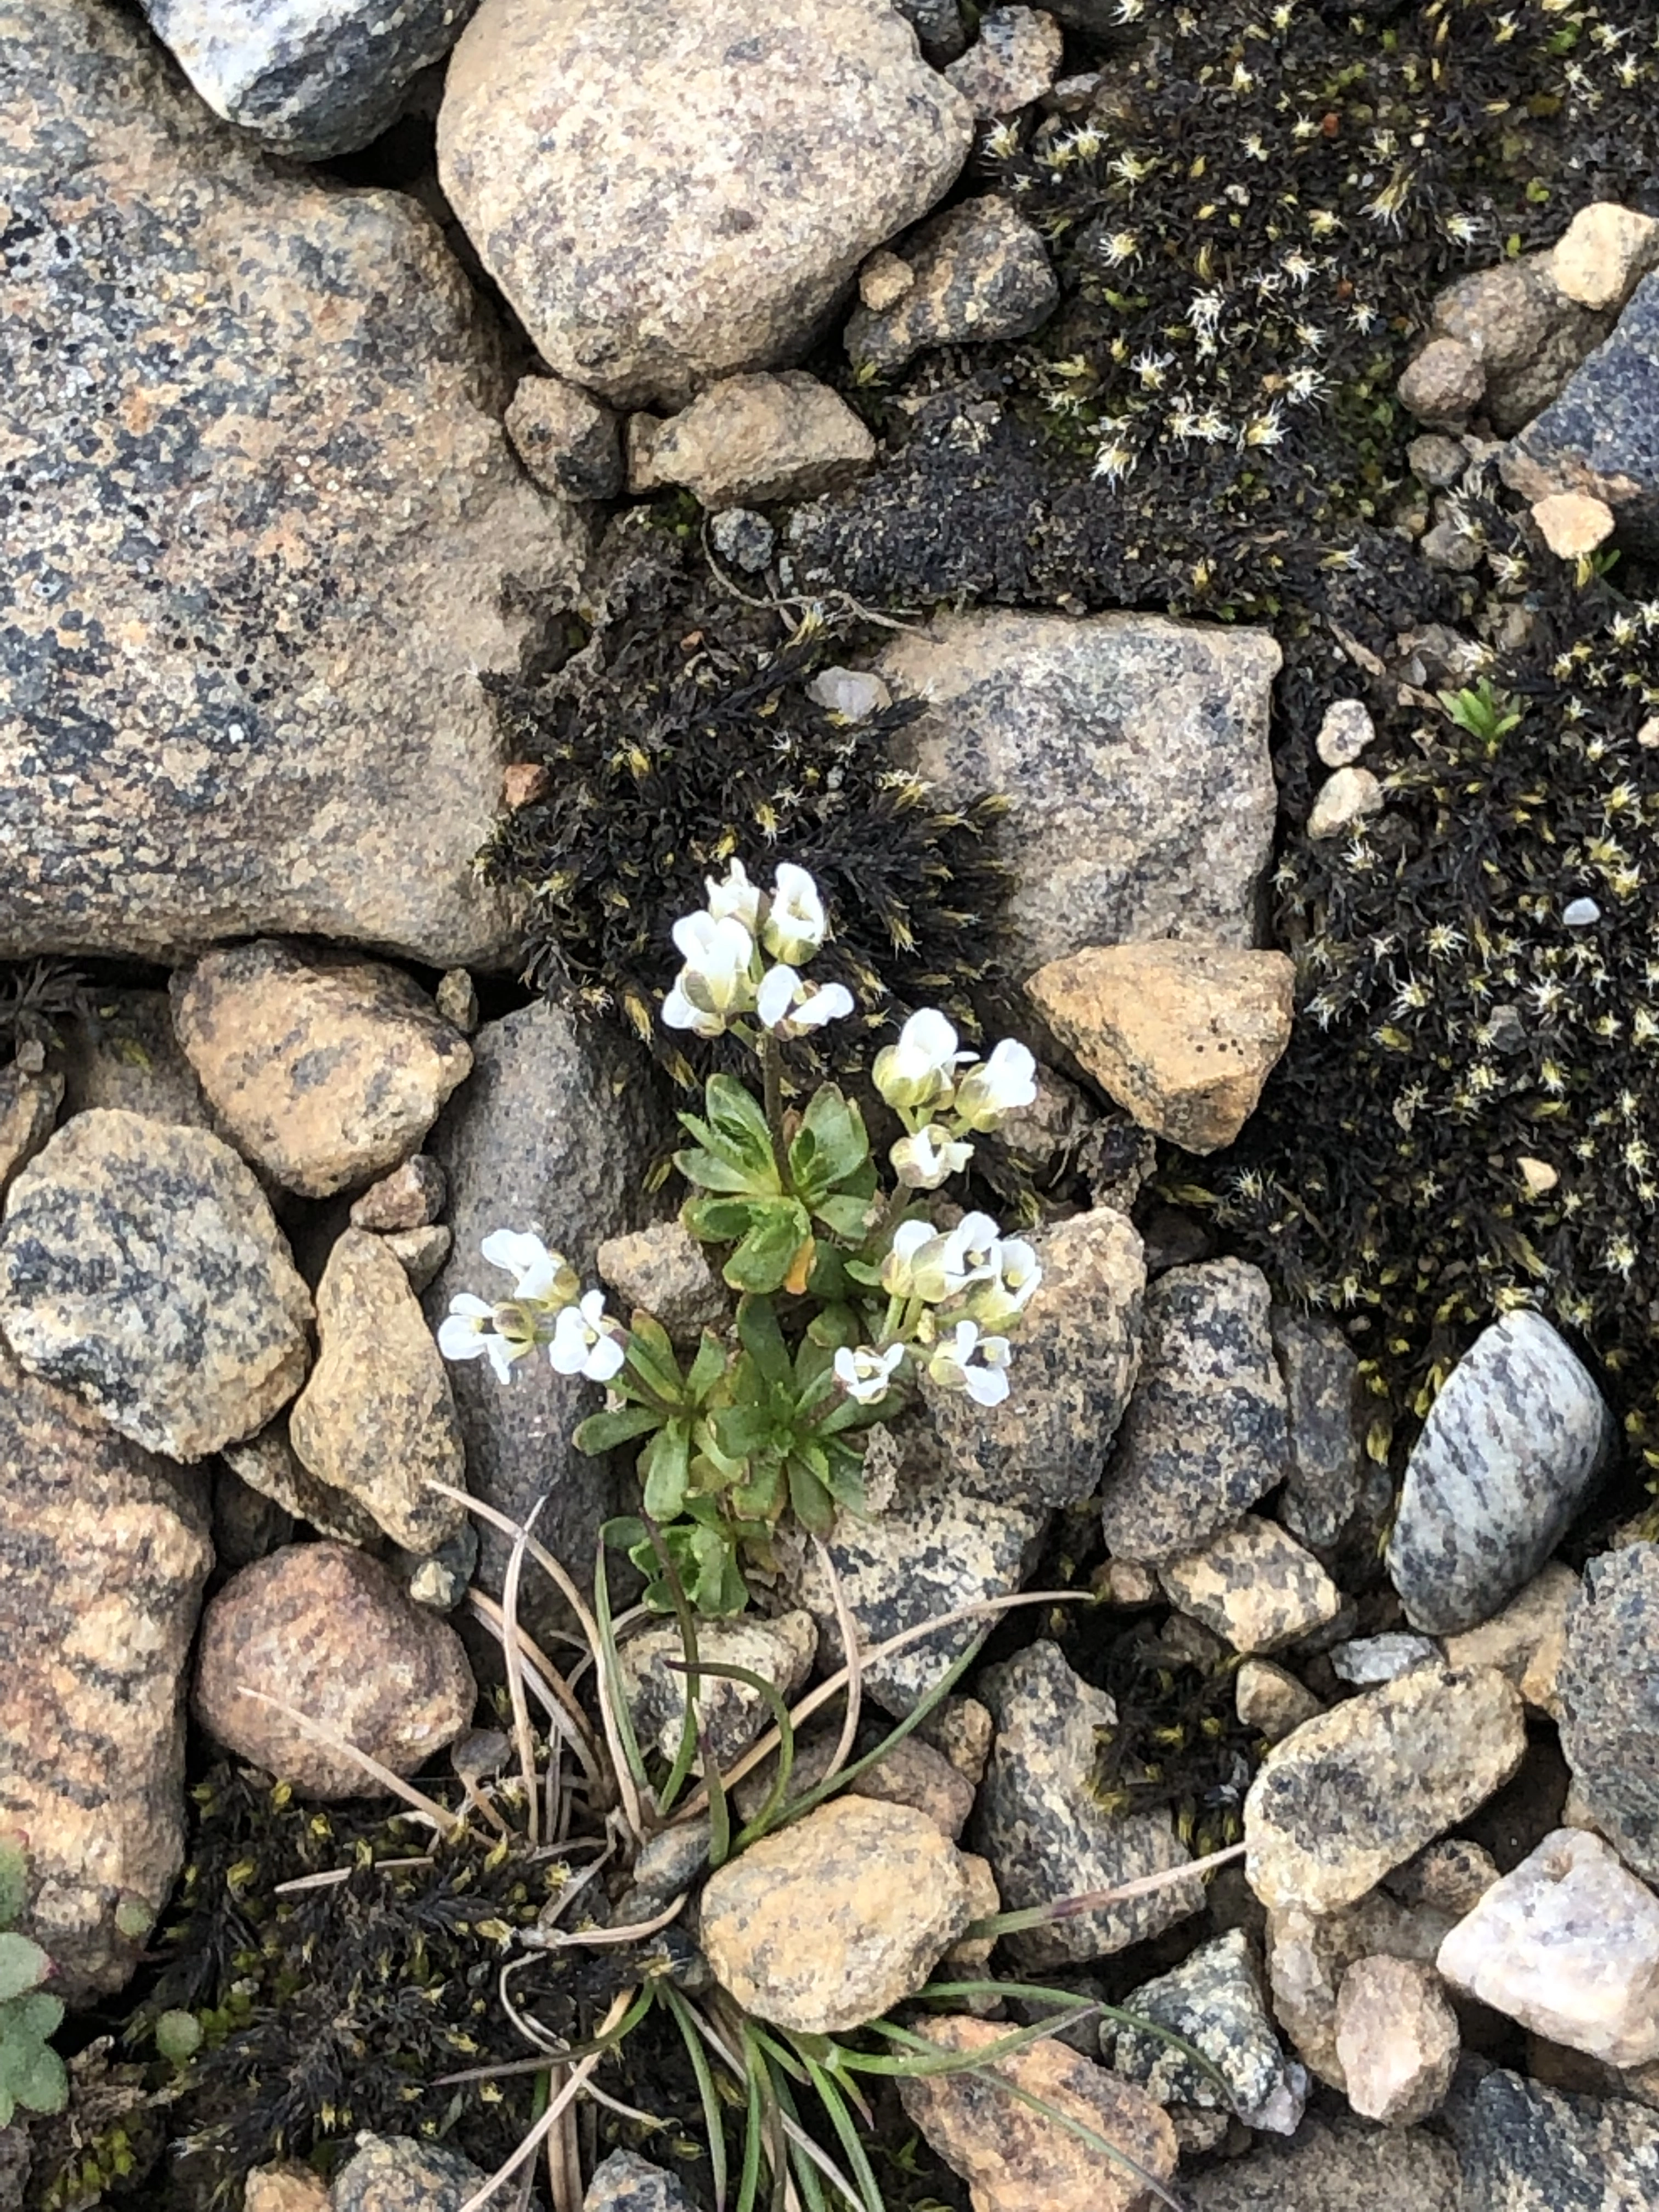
{"points": [[849, 1291]]}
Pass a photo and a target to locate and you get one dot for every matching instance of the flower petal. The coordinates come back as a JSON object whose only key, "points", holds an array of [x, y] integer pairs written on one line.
{"points": [[776, 995], [514, 1251], [460, 1337], [605, 1360]]}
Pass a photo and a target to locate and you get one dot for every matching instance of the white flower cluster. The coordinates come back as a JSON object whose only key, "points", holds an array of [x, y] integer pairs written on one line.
{"points": [[924, 1077], [964, 1287], [726, 976], [547, 1306]]}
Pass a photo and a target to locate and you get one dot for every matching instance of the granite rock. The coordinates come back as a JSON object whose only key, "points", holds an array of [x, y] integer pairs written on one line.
{"points": [[1525, 2149], [326, 1631], [310, 79], [103, 1554], [1525, 333], [553, 1134], [757, 438], [1568, 1944], [1134, 753], [1527, 1640], [1016, 2158], [1042, 1829], [141, 1267], [1600, 435], [1396, 2039], [567, 441], [830, 1922], [1603, 254], [1012, 62], [377, 1418], [123, 1051], [283, 2187], [1350, 794], [1441, 385], [1609, 1688], [420, 1252], [262, 522], [1451, 1876], [1074, 1368], [1365, 1661], [1572, 524], [323, 1073], [29, 1109], [410, 1197], [781, 1651], [1326, 1486], [1309, 1955], [394, 2173], [1182, 1034], [663, 1271], [668, 196], [1206, 1433], [268, 1465], [1511, 1448], [1213, 2001], [1270, 1701], [979, 271], [1347, 728], [625, 2182], [1254, 1585], [1365, 1785], [1333, 2166], [912, 1772], [930, 1548]]}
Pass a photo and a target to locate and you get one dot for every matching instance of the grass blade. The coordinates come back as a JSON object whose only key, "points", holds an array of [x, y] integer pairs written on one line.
{"points": [[829, 2096], [614, 1715], [680, 2012], [749, 2184]]}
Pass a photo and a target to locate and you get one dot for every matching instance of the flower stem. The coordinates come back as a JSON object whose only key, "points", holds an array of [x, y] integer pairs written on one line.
{"points": [[771, 1060]]}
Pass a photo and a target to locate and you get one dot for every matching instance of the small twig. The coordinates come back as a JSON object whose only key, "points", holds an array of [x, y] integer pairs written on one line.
{"points": [[523, 1735], [445, 1821], [850, 1644], [1097, 1900], [333, 1875], [533, 2139], [557, 1697], [564, 1938]]}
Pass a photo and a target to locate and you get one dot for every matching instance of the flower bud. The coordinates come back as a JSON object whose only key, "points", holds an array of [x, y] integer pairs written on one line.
{"points": [[996, 1086]]}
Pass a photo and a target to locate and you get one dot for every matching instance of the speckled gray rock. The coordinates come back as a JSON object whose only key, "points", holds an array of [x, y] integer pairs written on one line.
{"points": [[1254, 1585], [663, 1271], [927, 1548], [1206, 1433], [1364, 1786], [567, 441], [1012, 62], [1602, 435], [730, 1714], [28, 1108], [103, 1554], [1326, 1485], [1333, 2166], [1511, 1447], [308, 78], [264, 556], [377, 1418], [1041, 1826], [1526, 2149], [666, 195], [1608, 1686], [1134, 752], [1213, 2000], [553, 1134], [391, 2174], [981, 271], [328, 1632], [269, 1464], [1078, 1350], [1365, 1661], [141, 1267], [322, 1071], [625, 2182]]}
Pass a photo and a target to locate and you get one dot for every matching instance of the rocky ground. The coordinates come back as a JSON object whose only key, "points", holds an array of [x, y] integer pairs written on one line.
{"points": [[467, 468]]}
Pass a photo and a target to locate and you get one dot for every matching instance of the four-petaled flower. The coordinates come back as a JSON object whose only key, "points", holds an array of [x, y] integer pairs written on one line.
{"points": [[953, 1367], [929, 1157], [796, 924], [920, 1069], [715, 983], [468, 1331], [583, 1343], [1009, 1284], [735, 899], [866, 1374], [539, 1277], [789, 1006], [997, 1086]]}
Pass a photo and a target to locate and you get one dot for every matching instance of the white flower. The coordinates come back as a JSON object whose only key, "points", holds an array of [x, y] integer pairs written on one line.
{"points": [[468, 1332], [922, 1263], [1002, 1297], [997, 1086], [952, 1365], [796, 924], [539, 1277], [898, 1269], [582, 1343], [920, 1069], [714, 984], [736, 899], [932, 1155], [866, 1375], [792, 1007]]}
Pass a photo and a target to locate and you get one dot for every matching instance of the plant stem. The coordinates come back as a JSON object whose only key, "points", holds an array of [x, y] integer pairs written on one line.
{"points": [[771, 1060]]}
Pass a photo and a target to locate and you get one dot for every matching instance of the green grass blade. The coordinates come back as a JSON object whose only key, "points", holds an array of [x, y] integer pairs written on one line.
{"points": [[895, 1736], [613, 1701], [714, 2119], [829, 2096], [749, 2186], [686, 1620]]}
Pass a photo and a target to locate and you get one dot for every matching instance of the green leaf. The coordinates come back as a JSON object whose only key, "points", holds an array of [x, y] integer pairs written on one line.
{"points": [[623, 1532], [737, 1125], [709, 1172], [665, 1467], [14, 1878], [813, 1507], [23, 1966], [762, 1340], [846, 1216], [706, 1368], [828, 1277], [722, 1220], [829, 1145], [760, 1498], [742, 1429], [602, 1433], [763, 1258]]}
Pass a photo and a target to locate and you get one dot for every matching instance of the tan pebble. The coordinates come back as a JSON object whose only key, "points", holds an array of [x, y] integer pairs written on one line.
{"points": [[1342, 799], [1603, 254], [523, 782], [1539, 1177], [883, 280], [1396, 2039], [1573, 523]]}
